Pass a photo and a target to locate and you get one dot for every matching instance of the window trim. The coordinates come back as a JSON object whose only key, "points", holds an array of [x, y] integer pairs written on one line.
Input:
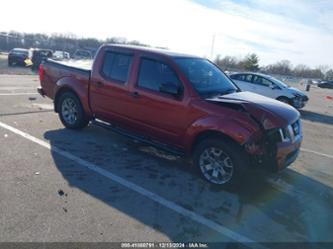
{"points": [[119, 82], [180, 97]]}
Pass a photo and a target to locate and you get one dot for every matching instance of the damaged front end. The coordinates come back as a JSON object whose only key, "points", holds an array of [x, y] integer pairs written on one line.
{"points": [[277, 148], [276, 142], [299, 101]]}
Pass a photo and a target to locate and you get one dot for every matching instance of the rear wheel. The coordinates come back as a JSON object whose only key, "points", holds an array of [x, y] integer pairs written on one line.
{"points": [[71, 112], [220, 162]]}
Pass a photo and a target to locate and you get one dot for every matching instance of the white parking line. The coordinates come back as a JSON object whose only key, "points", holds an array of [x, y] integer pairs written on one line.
{"points": [[132, 186], [17, 94], [317, 153]]}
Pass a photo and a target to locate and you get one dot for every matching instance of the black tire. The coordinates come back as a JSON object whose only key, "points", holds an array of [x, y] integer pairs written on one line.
{"points": [[238, 158], [78, 118], [284, 100]]}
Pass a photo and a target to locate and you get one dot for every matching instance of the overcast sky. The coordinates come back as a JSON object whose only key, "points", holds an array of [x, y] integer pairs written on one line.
{"points": [[298, 30]]}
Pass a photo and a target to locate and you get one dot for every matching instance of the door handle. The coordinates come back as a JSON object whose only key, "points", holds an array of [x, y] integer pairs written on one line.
{"points": [[134, 94], [99, 84]]}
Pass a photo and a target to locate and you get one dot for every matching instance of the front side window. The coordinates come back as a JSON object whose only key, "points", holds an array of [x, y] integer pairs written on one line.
{"points": [[205, 77], [279, 83], [116, 66], [261, 81], [153, 74]]}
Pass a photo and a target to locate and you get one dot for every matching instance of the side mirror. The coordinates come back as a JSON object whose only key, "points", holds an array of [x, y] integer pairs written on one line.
{"points": [[170, 88]]}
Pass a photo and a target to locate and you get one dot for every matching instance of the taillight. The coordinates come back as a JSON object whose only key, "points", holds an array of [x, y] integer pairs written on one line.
{"points": [[41, 72]]}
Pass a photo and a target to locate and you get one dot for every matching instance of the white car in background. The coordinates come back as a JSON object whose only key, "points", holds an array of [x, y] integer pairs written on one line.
{"points": [[61, 55], [270, 87]]}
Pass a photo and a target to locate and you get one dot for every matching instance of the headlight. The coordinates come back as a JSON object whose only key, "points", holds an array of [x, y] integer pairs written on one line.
{"points": [[285, 134], [291, 132]]}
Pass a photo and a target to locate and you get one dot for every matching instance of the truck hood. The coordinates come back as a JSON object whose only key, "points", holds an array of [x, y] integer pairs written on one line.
{"points": [[270, 113]]}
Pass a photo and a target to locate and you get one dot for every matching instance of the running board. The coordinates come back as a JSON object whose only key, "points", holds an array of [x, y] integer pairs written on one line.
{"points": [[137, 137]]}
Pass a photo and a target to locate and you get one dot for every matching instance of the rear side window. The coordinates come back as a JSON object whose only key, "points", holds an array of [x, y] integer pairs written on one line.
{"points": [[116, 66], [248, 78], [242, 77], [235, 76], [154, 73]]}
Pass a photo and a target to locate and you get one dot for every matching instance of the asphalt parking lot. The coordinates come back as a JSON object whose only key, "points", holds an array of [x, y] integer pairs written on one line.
{"points": [[94, 185]]}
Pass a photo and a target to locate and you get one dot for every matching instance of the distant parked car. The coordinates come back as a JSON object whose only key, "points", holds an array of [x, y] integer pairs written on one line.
{"points": [[60, 55], [38, 56], [326, 84], [82, 54], [270, 87], [314, 82], [18, 56]]}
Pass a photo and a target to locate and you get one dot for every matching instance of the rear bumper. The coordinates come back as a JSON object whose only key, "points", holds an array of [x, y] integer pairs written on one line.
{"points": [[41, 91], [17, 60]]}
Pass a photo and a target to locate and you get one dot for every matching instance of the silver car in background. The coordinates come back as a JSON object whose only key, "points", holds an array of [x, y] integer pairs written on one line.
{"points": [[270, 87]]}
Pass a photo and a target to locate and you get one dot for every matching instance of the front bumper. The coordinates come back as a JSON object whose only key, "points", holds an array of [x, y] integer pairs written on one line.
{"points": [[287, 149], [286, 153], [299, 101], [280, 148]]}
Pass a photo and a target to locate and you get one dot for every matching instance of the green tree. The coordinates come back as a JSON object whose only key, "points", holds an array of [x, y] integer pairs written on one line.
{"points": [[329, 75], [226, 63], [281, 67], [251, 62]]}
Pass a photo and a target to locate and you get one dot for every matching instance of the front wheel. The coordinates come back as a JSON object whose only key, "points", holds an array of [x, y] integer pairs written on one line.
{"points": [[220, 162], [71, 112]]}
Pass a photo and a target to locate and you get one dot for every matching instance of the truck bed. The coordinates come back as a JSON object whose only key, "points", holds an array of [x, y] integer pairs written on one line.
{"points": [[78, 64], [83, 66], [54, 71]]}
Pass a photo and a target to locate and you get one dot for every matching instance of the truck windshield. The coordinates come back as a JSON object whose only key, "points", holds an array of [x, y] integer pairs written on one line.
{"points": [[205, 77]]}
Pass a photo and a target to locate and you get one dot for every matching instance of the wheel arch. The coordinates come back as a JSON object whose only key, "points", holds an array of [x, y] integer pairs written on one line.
{"points": [[208, 134], [227, 128], [80, 89]]}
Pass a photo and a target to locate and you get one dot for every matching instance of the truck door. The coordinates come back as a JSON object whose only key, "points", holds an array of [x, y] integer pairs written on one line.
{"points": [[109, 87], [160, 115]]}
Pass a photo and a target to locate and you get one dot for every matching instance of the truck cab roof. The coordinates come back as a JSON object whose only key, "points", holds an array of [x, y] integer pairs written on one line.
{"points": [[159, 51]]}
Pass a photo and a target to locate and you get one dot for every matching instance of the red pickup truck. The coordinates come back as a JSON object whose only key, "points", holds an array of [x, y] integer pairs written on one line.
{"points": [[181, 103]]}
